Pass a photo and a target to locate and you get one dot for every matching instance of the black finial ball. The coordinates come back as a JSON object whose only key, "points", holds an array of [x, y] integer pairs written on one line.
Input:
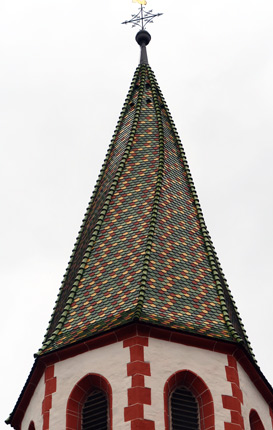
{"points": [[143, 37]]}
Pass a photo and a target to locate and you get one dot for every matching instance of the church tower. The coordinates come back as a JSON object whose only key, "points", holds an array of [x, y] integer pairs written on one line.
{"points": [[145, 334]]}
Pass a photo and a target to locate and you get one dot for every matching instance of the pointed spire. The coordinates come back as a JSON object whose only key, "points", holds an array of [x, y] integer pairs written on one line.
{"points": [[143, 38], [143, 251]]}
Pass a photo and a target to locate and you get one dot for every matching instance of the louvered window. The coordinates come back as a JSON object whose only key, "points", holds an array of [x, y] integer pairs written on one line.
{"points": [[184, 410], [95, 411]]}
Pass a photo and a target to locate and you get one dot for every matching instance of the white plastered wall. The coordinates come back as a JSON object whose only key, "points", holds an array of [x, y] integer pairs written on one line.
{"points": [[253, 400], [34, 410], [109, 361], [167, 358]]}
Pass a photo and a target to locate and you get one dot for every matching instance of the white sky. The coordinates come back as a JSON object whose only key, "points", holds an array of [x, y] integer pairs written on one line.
{"points": [[65, 69]]}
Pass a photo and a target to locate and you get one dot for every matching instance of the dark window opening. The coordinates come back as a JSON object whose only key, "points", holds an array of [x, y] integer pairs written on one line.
{"points": [[255, 421], [95, 411], [184, 410]]}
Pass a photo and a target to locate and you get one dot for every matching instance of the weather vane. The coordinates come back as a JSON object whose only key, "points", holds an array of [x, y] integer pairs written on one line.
{"points": [[143, 17]]}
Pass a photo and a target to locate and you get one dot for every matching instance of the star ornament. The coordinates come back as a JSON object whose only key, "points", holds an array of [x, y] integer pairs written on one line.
{"points": [[143, 17]]}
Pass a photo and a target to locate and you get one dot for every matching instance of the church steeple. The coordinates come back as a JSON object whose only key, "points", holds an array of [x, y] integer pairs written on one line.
{"points": [[144, 312], [143, 251]]}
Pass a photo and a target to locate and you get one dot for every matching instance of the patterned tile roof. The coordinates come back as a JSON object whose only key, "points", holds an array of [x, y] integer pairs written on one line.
{"points": [[143, 251]]}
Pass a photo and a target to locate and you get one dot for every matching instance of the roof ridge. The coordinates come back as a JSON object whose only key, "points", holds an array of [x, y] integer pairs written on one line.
{"points": [[207, 240], [156, 199], [103, 212]]}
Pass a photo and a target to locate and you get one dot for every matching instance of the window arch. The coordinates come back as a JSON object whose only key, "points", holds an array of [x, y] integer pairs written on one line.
{"points": [[188, 399], [90, 401], [255, 421], [31, 426]]}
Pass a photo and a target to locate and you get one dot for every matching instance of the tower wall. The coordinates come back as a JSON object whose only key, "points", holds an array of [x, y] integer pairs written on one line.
{"points": [[139, 369], [168, 358], [253, 400], [34, 410], [108, 361]]}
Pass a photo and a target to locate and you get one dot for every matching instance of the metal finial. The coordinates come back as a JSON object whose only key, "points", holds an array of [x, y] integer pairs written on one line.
{"points": [[142, 18]]}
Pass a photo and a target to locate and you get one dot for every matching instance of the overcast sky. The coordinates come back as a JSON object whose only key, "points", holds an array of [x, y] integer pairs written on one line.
{"points": [[65, 69]]}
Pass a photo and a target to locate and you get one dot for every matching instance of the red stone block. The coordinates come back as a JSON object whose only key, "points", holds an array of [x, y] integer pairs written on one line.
{"points": [[232, 362], [231, 403], [188, 378], [198, 386], [138, 381], [78, 393], [209, 421], [71, 421], [138, 368], [237, 392], [206, 397], [237, 418], [73, 406], [85, 383], [208, 409], [46, 421], [46, 404], [137, 353], [139, 395], [51, 386], [49, 372], [142, 425], [232, 375], [133, 412]]}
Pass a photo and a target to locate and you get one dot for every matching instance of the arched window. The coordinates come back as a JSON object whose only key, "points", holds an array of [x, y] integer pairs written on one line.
{"points": [[95, 411], [184, 410], [31, 426], [90, 404], [188, 403], [255, 421]]}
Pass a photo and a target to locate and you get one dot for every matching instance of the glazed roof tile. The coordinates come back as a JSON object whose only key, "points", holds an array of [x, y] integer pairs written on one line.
{"points": [[143, 251]]}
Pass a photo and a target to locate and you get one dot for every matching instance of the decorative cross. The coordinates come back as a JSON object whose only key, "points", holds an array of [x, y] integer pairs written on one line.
{"points": [[142, 18]]}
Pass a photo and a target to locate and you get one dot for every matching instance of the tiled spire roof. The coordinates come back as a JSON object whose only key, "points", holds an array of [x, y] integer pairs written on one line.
{"points": [[143, 252]]}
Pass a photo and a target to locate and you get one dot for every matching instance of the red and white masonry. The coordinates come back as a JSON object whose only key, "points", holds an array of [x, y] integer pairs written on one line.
{"points": [[138, 395], [50, 388], [234, 402]]}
